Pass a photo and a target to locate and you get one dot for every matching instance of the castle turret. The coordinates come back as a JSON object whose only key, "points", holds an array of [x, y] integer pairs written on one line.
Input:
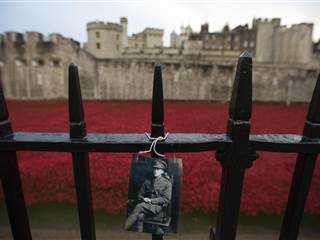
{"points": [[173, 39], [104, 39], [276, 22], [301, 44], [265, 46], [153, 37], [189, 30], [124, 24], [204, 28], [276, 43]]}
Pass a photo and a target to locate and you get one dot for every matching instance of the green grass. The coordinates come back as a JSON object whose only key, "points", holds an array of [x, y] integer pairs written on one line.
{"points": [[65, 216]]}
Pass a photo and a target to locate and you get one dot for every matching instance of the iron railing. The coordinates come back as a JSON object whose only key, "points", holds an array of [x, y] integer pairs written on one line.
{"points": [[236, 150]]}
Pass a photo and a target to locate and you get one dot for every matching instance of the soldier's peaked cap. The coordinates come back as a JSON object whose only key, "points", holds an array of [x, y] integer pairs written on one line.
{"points": [[158, 163]]}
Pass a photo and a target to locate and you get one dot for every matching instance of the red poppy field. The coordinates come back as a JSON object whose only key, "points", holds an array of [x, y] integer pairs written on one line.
{"points": [[48, 177]]}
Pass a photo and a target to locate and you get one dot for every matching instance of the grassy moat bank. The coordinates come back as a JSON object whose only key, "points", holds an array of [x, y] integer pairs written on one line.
{"points": [[60, 221]]}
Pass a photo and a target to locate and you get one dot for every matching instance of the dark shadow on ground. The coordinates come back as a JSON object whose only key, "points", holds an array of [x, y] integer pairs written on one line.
{"points": [[60, 221]]}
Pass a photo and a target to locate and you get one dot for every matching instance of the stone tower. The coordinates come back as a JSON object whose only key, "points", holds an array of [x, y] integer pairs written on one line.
{"points": [[173, 39], [105, 40], [279, 44]]}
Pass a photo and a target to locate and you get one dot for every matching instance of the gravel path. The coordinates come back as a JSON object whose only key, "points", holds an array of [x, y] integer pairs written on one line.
{"points": [[71, 234]]}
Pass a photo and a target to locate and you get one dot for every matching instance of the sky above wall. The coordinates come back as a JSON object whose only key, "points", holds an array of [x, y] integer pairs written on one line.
{"points": [[69, 17]]}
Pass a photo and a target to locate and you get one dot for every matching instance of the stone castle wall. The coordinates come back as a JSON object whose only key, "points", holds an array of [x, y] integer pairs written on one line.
{"points": [[37, 69], [123, 79]]}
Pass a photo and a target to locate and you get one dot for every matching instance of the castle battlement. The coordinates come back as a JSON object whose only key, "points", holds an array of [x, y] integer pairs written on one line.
{"points": [[106, 26], [274, 21], [33, 37], [123, 20], [55, 37], [30, 49], [299, 25], [95, 24], [13, 37], [153, 31], [36, 37]]}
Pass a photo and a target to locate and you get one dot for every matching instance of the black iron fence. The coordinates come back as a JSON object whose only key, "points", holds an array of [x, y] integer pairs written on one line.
{"points": [[236, 150]]}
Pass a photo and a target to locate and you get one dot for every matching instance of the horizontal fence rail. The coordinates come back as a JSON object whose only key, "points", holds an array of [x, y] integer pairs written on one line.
{"points": [[175, 142], [236, 150]]}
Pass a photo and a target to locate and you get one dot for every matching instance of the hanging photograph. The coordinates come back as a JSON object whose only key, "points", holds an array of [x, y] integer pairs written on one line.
{"points": [[154, 195]]}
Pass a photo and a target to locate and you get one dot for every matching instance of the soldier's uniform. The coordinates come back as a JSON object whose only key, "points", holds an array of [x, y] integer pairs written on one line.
{"points": [[159, 191]]}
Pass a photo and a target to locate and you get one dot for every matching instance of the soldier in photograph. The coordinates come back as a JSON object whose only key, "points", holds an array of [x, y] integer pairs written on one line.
{"points": [[153, 195]]}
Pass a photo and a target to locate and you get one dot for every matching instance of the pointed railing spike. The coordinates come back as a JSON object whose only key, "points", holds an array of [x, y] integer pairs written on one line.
{"points": [[241, 98], [314, 107], [303, 172], [5, 125], [245, 54], [3, 106], [11, 180], [157, 127], [76, 113], [81, 168], [238, 156]]}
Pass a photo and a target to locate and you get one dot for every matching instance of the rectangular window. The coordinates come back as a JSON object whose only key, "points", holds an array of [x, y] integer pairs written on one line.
{"points": [[97, 34], [98, 45]]}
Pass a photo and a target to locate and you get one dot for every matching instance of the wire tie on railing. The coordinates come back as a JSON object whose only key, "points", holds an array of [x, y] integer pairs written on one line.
{"points": [[154, 143]]}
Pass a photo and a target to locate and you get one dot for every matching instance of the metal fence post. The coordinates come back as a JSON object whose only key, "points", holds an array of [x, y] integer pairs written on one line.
{"points": [[11, 181], [238, 156], [303, 172], [81, 168], [157, 114]]}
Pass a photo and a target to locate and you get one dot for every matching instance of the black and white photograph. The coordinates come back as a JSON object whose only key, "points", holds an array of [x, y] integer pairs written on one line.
{"points": [[154, 195]]}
